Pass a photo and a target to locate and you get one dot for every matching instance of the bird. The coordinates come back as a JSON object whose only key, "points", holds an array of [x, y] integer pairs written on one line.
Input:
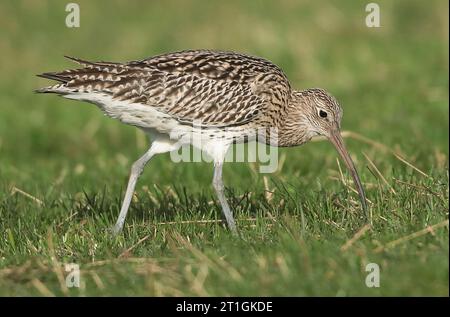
{"points": [[219, 97]]}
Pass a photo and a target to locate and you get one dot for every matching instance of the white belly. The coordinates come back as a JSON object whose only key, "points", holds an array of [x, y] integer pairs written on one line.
{"points": [[164, 128]]}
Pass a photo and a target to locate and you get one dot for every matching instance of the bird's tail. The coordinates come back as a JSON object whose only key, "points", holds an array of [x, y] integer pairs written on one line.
{"points": [[74, 80], [59, 88]]}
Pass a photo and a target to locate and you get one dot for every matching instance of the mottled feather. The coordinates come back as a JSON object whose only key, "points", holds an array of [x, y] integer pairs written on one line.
{"points": [[207, 87], [237, 98]]}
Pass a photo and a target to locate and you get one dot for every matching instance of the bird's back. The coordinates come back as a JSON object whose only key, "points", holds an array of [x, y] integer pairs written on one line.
{"points": [[215, 89]]}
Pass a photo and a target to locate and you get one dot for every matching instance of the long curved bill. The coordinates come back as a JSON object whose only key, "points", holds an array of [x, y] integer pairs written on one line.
{"points": [[336, 139]]}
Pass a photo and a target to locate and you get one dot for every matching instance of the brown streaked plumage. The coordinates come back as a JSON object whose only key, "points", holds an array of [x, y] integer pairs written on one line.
{"points": [[221, 97]]}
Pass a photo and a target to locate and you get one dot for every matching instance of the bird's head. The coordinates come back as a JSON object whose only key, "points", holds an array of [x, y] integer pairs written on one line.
{"points": [[321, 114]]}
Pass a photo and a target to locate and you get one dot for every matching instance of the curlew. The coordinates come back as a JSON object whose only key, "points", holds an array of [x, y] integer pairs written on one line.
{"points": [[220, 98]]}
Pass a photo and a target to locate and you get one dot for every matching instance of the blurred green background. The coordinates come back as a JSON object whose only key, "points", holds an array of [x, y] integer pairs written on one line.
{"points": [[392, 82]]}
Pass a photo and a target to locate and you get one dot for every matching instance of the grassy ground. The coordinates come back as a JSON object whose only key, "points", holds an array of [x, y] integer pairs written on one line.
{"points": [[64, 166]]}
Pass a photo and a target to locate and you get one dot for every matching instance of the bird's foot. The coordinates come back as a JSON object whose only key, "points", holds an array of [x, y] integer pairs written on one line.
{"points": [[116, 230]]}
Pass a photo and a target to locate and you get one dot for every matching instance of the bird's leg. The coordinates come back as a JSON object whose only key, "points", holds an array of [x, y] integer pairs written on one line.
{"points": [[219, 188], [136, 170]]}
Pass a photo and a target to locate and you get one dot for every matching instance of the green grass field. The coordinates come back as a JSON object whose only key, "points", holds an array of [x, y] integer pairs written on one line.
{"points": [[64, 166]]}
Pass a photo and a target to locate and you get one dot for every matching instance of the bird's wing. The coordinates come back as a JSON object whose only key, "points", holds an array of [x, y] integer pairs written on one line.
{"points": [[196, 87]]}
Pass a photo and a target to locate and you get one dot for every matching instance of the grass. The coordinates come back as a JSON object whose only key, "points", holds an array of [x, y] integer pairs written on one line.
{"points": [[64, 166]]}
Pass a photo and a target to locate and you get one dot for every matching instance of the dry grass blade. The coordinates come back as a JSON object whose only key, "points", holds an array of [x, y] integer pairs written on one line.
{"points": [[412, 166], [357, 235], [127, 251], [219, 265], [56, 265], [67, 219], [200, 222], [114, 261], [42, 288], [267, 191], [97, 280], [422, 188], [372, 164], [359, 137], [429, 229], [15, 190], [384, 148]]}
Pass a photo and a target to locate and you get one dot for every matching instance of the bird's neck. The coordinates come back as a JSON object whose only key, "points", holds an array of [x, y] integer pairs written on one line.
{"points": [[293, 129]]}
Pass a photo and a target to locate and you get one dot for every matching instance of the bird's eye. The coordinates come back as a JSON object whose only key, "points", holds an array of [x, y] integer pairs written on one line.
{"points": [[322, 114]]}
